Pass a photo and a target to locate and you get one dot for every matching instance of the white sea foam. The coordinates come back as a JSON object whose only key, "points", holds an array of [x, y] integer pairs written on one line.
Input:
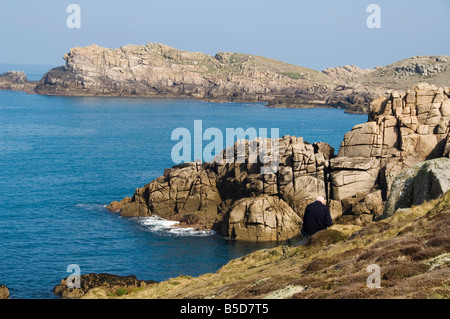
{"points": [[166, 227], [91, 206]]}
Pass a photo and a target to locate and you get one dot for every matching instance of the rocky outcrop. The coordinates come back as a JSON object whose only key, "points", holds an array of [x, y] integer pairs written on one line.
{"points": [[4, 292], [16, 80], [403, 130], [422, 182], [115, 285], [159, 70], [346, 72], [213, 195], [16, 77]]}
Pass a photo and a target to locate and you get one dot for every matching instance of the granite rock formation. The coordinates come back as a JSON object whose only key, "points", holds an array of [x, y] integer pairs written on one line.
{"points": [[233, 196], [403, 130], [213, 195]]}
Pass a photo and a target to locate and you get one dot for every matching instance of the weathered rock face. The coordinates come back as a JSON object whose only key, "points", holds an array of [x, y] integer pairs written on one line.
{"points": [[300, 177], [206, 195], [4, 292], [403, 130], [110, 282], [420, 183], [353, 175], [186, 193]]}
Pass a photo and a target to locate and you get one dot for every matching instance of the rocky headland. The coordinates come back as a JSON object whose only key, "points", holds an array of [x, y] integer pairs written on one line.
{"points": [[157, 70], [234, 198]]}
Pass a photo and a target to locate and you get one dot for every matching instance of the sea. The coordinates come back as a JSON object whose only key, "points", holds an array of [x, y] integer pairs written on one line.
{"points": [[63, 159]]}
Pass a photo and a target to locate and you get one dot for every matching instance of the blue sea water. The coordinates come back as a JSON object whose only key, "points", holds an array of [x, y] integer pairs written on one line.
{"points": [[62, 159]]}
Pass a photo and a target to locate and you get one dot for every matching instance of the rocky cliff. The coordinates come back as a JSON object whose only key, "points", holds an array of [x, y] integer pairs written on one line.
{"points": [[235, 198], [159, 70]]}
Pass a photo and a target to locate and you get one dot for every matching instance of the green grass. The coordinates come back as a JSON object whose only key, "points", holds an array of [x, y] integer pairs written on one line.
{"points": [[121, 291], [294, 75]]}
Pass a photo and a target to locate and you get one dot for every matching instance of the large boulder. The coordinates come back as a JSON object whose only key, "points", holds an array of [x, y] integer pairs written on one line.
{"points": [[262, 218], [352, 175], [413, 123], [423, 182]]}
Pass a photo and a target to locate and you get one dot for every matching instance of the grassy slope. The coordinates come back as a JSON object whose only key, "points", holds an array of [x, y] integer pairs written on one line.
{"points": [[387, 76], [240, 64], [333, 264]]}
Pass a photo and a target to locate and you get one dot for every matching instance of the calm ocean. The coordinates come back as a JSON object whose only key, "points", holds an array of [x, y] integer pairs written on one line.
{"points": [[64, 158]]}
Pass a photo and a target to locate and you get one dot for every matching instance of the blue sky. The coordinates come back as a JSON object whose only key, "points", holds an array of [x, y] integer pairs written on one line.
{"points": [[315, 34]]}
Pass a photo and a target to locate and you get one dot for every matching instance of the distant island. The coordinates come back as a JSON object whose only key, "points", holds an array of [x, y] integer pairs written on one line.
{"points": [[157, 70]]}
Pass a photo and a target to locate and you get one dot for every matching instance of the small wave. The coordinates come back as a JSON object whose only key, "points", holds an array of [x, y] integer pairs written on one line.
{"points": [[95, 207], [166, 227]]}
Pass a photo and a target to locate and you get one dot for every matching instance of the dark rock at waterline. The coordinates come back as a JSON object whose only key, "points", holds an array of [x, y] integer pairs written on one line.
{"points": [[118, 285]]}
